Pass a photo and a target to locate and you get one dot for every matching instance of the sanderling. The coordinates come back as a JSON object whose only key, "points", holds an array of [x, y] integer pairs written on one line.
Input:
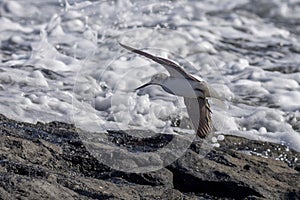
{"points": [[181, 83]]}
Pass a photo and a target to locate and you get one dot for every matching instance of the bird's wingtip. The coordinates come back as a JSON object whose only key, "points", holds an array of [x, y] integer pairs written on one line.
{"points": [[125, 46]]}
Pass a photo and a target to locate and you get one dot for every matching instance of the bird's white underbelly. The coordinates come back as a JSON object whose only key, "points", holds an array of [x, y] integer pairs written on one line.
{"points": [[182, 87]]}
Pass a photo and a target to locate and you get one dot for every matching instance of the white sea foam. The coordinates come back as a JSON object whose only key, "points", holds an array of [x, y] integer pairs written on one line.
{"points": [[64, 63]]}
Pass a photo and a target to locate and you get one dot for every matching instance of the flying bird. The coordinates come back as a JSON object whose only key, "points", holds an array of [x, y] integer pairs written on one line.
{"points": [[181, 83]]}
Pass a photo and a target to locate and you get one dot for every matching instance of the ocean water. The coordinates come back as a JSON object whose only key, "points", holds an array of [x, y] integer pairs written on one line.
{"points": [[60, 60]]}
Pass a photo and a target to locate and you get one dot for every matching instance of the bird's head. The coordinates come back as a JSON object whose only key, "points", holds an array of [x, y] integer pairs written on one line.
{"points": [[157, 79]]}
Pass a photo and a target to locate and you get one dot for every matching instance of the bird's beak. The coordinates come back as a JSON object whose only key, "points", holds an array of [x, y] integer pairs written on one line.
{"points": [[145, 85]]}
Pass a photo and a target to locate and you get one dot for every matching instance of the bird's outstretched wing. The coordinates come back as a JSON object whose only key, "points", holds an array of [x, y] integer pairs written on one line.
{"points": [[200, 115], [198, 108], [174, 69]]}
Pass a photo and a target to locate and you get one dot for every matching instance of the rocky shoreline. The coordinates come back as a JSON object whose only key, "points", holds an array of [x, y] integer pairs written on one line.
{"points": [[49, 161]]}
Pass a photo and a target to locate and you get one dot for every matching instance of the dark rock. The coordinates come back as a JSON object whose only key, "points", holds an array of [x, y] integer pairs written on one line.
{"points": [[134, 144], [236, 174], [52, 161], [192, 174]]}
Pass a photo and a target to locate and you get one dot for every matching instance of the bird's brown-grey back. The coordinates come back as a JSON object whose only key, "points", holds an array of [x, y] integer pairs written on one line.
{"points": [[174, 69], [200, 115]]}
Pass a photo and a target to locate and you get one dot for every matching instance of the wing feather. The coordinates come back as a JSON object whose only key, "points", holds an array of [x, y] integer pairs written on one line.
{"points": [[174, 69], [200, 115]]}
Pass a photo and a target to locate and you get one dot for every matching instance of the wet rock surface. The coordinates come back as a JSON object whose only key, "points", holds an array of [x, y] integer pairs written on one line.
{"points": [[50, 161]]}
